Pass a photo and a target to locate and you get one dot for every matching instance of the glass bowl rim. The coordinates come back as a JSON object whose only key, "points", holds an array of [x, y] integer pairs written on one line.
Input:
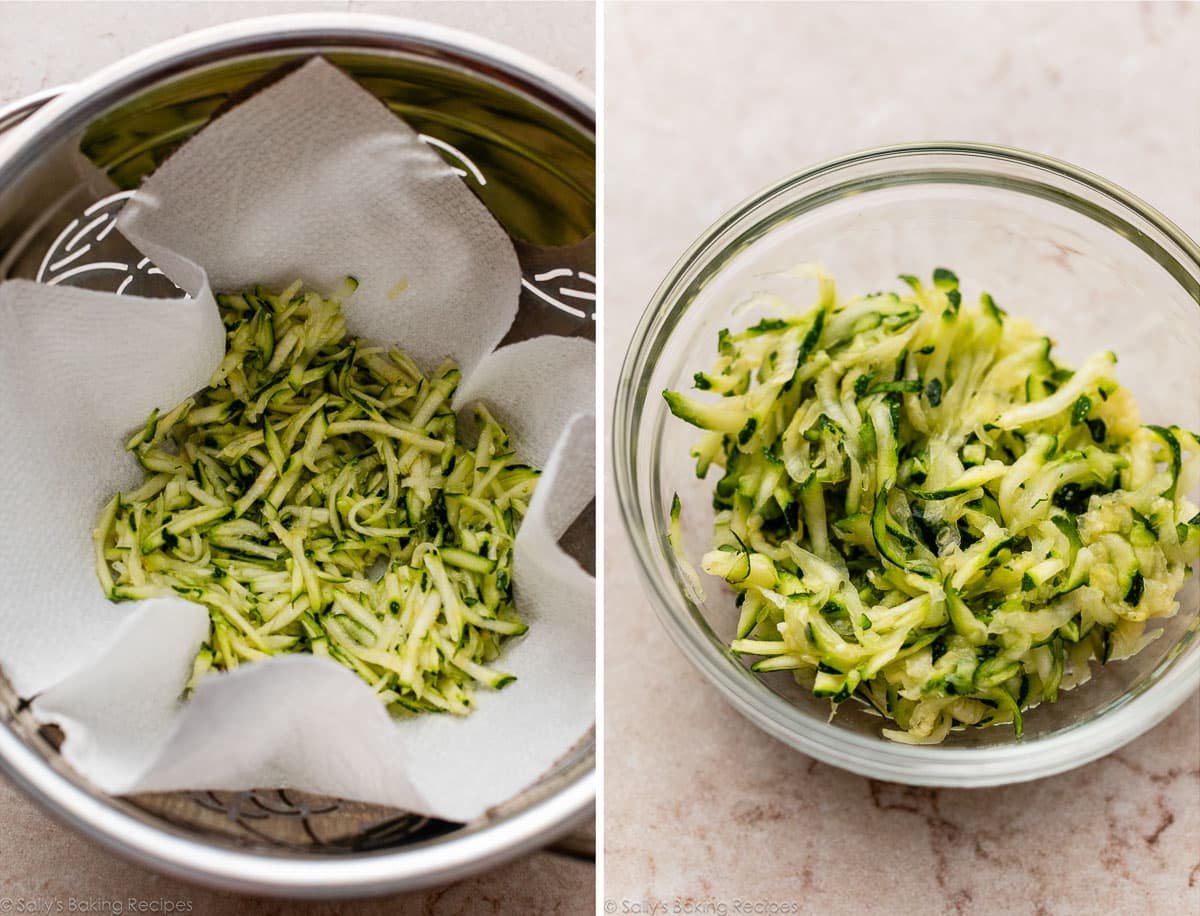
{"points": [[1128, 716]]}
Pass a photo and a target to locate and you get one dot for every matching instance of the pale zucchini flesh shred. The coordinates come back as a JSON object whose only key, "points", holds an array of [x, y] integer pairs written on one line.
{"points": [[318, 497], [922, 509]]}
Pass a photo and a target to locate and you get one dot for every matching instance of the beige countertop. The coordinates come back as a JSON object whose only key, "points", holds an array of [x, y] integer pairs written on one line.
{"points": [[703, 812], [43, 864]]}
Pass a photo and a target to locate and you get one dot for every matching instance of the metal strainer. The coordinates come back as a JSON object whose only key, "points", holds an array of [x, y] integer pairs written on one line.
{"points": [[522, 137]]}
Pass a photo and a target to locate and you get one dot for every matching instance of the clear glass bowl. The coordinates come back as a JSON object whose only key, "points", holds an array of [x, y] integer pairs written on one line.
{"points": [[1087, 261]]}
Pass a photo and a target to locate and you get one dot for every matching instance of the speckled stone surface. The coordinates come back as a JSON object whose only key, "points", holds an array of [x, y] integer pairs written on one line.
{"points": [[45, 867], [704, 813]]}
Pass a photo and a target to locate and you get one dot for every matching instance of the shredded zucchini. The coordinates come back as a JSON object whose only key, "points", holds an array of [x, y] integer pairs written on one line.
{"points": [[922, 509], [317, 497]]}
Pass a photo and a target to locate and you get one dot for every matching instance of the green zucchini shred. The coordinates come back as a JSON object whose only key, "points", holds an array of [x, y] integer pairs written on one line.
{"points": [[318, 497], [922, 510]]}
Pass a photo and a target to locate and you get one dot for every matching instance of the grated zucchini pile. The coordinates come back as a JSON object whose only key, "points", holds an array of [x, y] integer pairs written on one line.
{"points": [[317, 497], [922, 509]]}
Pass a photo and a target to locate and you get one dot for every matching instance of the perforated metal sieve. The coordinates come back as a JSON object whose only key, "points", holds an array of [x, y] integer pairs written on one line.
{"points": [[522, 137]]}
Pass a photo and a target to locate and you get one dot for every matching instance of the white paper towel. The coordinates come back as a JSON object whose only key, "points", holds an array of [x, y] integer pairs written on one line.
{"points": [[354, 192], [507, 381], [78, 370], [314, 178]]}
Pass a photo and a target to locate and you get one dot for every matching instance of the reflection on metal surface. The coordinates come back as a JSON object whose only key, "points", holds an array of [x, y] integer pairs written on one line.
{"points": [[67, 257], [468, 167], [67, 248], [587, 295]]}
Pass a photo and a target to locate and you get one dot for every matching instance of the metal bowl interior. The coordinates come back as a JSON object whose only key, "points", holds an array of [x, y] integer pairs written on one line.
{"points": [[522, 138], [1077, 256]]}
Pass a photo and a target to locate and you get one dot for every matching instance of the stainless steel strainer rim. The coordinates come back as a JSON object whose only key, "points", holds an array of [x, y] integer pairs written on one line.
{"points": [[294, 875], [27, 126]]}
